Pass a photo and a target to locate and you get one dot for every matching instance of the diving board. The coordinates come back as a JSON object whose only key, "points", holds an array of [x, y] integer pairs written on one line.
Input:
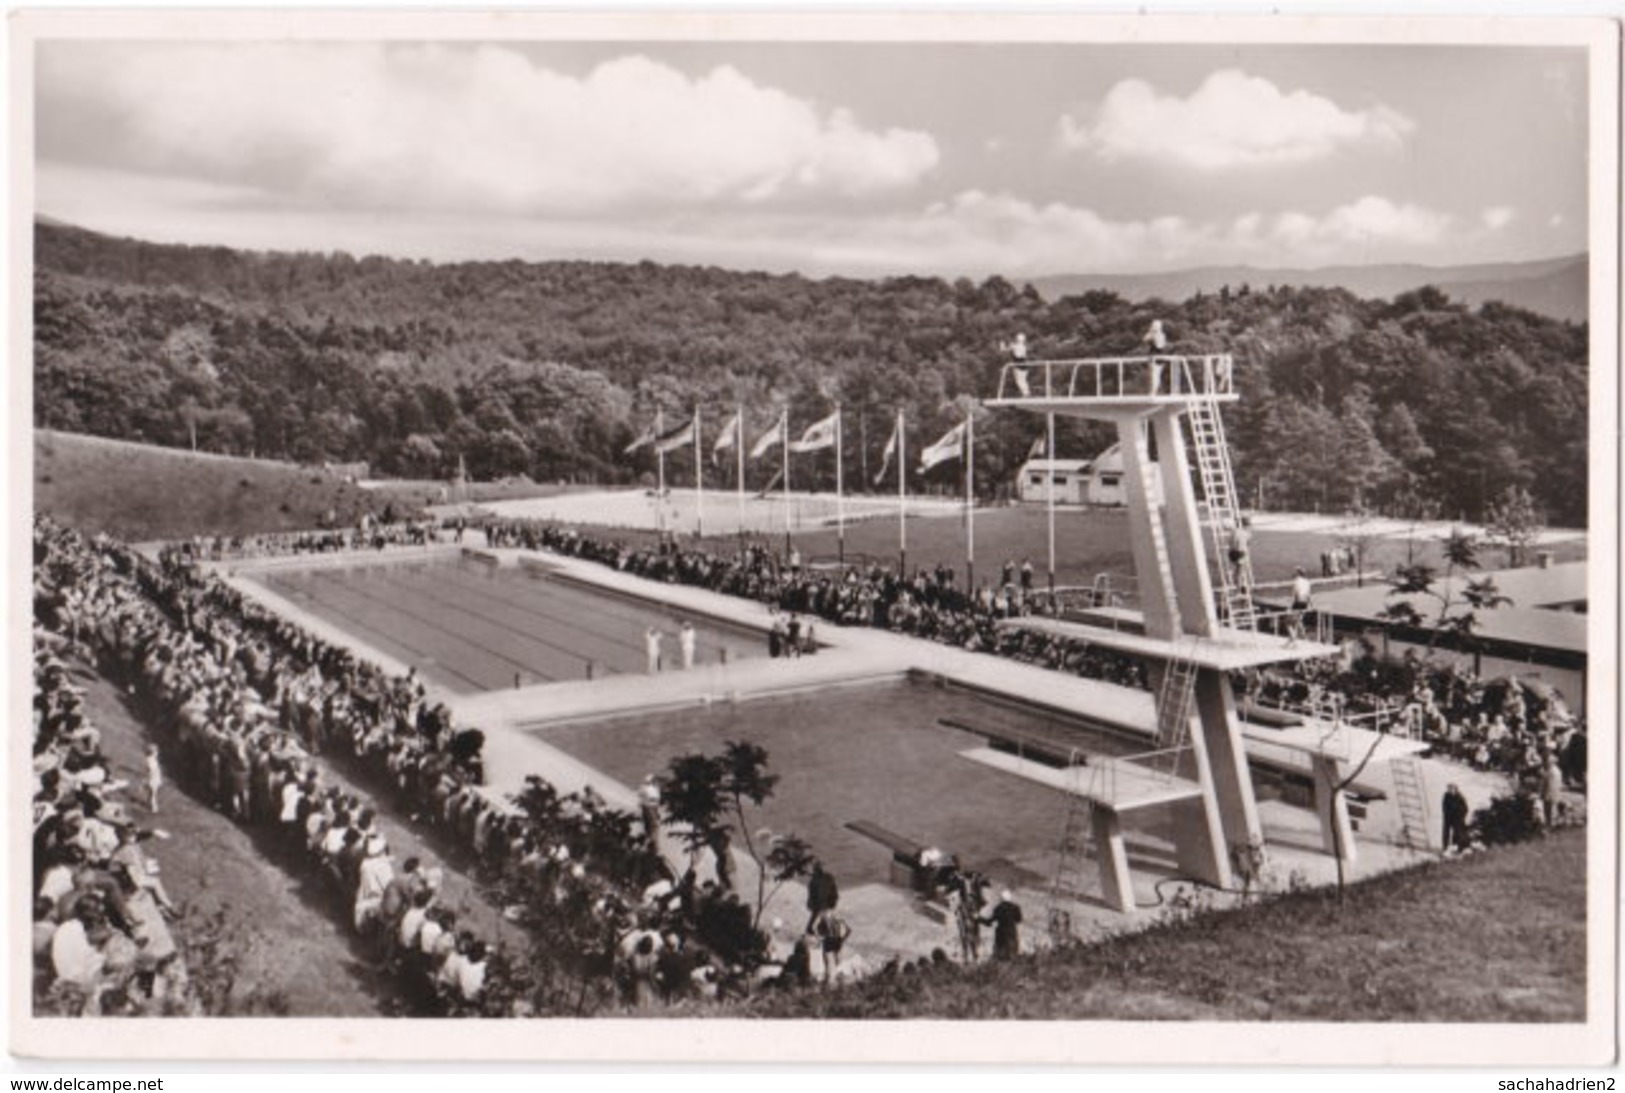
{"points": [[1112, 787], [1225, 650]]}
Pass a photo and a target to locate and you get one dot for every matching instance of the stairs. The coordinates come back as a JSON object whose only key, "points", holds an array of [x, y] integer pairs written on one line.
{"points": [[1410, 795], [1212, 456]]}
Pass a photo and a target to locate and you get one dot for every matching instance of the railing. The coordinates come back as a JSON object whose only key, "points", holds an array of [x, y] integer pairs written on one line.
{"points": [[1159, 767], [1159, 376], [1307, 625], [1107, 590]]}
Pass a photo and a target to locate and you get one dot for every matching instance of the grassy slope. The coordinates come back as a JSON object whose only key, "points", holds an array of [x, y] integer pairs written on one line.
{"points": [[139, 492], [1499, 937]]}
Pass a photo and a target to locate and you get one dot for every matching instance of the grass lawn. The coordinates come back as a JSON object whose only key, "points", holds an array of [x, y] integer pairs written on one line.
{"points": [[139, 492], [1495, 938]]}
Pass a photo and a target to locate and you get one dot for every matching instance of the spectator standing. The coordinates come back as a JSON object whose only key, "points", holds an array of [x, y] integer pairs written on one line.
{"points": [[649, 805], [1551, 789], [1454, 810], [823, 895], [1006, 923], [154, 777]]}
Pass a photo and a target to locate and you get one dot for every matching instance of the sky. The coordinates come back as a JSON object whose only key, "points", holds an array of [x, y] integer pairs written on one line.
{"points": [[866, 159]]}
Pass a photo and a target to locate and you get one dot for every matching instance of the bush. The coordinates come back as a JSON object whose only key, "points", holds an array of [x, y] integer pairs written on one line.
{"points": [[1509, 819]]}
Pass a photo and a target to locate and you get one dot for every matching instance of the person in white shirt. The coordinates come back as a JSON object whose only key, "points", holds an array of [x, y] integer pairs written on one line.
{"points": [[377, 870], [685, 642], [651, 649]]}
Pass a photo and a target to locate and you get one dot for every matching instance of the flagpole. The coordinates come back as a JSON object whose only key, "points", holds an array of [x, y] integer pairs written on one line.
{"points": [[784, 437], [902, 499], [739, 473], [840, 503], [970, 504], [1051, 417], [660, 464], [699, 480]]}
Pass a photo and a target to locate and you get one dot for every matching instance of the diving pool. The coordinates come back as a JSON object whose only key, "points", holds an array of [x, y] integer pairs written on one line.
{"points": [[471, 626], [879, 753]]}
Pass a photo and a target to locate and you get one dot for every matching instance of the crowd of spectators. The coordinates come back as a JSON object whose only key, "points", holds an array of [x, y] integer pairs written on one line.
{"points": [[242, 702], [246, 708], [927, 604]]}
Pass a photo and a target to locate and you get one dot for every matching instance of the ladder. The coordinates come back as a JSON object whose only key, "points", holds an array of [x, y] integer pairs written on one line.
{"points": [[1410, 794], [1072, 856], [1174, 698], [1235, 591]]}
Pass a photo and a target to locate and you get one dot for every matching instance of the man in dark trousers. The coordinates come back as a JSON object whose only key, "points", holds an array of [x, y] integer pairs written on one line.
{"points": [[1455, 819], [1006, 923], [823, 894]]}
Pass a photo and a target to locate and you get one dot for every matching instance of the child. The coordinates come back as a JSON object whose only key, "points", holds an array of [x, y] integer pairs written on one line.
{"points": [[155, 778]]}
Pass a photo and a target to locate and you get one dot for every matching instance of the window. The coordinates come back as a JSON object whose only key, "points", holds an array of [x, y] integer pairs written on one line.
{"points": [[1110, 479]]}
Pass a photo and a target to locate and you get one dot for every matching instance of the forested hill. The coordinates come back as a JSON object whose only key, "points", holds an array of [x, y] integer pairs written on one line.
{"points": [[552, 368]]}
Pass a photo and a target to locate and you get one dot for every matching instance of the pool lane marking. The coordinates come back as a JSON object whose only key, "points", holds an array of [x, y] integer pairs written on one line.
{"points": [[351, 594], [553, 591], [331, 609], [723, 634], [633, 649]]}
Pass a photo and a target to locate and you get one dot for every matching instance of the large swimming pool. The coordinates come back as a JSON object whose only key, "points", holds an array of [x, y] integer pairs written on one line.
{"points": [[471, 626]]}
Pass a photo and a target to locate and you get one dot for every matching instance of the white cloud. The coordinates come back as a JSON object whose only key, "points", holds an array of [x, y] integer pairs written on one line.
{"points": [[1497, 217], [975, 232], [979, 231], [475, 129], [1232, 120]]}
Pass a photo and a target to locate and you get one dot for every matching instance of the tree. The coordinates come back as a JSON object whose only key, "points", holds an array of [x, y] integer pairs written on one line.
{"points": [[706, 796], [1514, 521], [1457, 610]]}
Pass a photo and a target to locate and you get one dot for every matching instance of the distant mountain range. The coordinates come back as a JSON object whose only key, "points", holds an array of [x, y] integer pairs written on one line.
{"points": [[1557, 287]]}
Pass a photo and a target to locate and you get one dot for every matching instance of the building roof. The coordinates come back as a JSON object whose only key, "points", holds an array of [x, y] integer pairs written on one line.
{"points": [[1058, 464], [1525, 621]]}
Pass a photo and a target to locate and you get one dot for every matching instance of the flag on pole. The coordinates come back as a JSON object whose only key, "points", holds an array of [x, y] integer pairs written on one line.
{"points": [[951, 446], [765, 442], [729, 435], [644, 439], [819, 435], [683, 434], [891, 450]]}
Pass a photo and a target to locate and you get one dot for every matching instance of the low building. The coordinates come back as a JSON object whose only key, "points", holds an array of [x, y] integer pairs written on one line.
{"points": [[1071, 478], [1106, 485], [1097, 481], [1539, 636]]}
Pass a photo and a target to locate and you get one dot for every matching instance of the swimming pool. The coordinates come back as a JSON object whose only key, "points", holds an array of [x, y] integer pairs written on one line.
{"points": [[879, 753], [472, 626]]}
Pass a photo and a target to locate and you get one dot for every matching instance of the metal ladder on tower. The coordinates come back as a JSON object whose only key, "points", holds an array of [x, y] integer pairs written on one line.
{"points": [[1072, 856], [1235, 590], [1174, 698], [1410, 795]]}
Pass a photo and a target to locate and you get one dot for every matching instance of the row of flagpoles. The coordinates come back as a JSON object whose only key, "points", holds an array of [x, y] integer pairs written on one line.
{"points": [[958, 442]]}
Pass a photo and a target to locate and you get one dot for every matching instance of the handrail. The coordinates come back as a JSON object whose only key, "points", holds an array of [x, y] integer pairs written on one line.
{"points": [[1160, 375], [1144, 764]]}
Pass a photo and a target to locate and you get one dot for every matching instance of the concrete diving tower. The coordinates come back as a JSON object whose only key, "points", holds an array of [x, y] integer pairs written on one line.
{"points": [[1178, 633]]}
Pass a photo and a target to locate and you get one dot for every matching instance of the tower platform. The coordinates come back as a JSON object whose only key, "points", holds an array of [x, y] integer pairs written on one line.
{"points": [[1226, 650], [1115, 387]]}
